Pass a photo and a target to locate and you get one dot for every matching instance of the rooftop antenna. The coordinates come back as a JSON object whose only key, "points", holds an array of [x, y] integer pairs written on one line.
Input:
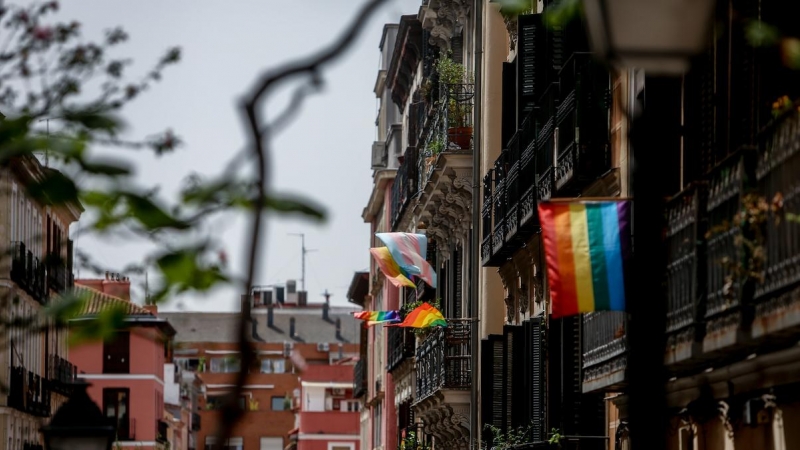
{"points": [[303, 251], [146, 288]]}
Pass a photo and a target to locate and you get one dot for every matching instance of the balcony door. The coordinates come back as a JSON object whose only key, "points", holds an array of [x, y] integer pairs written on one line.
{"points": [[116, 353], [116, 402]]}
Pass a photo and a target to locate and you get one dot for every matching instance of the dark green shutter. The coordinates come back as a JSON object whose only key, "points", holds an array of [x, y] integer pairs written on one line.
{"points": [[458, 284], [532, 63], [509, 111]]}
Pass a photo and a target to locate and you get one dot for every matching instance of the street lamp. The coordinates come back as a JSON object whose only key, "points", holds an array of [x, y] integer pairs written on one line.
{"points": [[78, 424], [658, 36]]}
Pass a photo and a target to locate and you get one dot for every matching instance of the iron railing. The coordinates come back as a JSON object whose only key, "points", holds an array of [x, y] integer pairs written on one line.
{"points": [[161, 431], [405, 185], [360, 379], [401, 346], [61, 373], [443, 359], [604, 350], [28, 272], [28, 392], [449, 130]]}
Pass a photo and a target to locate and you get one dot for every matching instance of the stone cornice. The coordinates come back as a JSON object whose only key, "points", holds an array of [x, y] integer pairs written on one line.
{"points": [[380, 178]]}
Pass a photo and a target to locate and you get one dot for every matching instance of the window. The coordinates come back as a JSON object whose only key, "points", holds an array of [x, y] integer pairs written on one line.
{"points": [[225, 365], [351, 406], [116, 353], [273, 366], [115, 406], [234, 443], [377, 428], [217, 401], [271, 443], [280, 404]]}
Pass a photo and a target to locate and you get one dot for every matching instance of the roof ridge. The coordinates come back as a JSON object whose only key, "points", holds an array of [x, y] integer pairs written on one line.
{"points": [[100, 297]]}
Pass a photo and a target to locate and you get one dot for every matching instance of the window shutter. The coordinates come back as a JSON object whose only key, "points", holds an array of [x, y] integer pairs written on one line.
{"points": [[457, 47], [497, 382], [508, 378], [536, 377], [531, 63], [509, 108], [458, 260]]}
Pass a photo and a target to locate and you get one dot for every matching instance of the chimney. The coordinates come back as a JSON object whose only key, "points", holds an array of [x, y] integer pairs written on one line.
{"points": [[291, 327], [339, 328], [152, 308], [270, 317], [112, 284], [326, 306], [302, 298], [279, 294]]}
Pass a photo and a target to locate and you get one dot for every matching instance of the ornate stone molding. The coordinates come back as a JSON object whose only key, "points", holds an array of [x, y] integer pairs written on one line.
{"points": [[447, 20], [511, 27], [508, 276]]}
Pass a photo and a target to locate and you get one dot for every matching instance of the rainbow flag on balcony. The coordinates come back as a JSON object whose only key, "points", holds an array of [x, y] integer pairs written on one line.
{"points": [[390, 268], [587, 250], [409, 251], [376, 317], [423, 316]]}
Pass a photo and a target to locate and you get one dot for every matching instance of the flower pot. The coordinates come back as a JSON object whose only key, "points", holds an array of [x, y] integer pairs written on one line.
{"points": [[460, 136]]}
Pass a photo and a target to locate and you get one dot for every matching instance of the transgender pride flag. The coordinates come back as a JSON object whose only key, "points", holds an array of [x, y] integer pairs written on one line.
{"points": [[408, 250]]}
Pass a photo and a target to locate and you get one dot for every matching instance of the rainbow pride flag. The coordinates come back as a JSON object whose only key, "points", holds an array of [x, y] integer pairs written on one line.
{"points": [[587, 249], [423, 316], [390, 268], [376, 317], [409, 251]]}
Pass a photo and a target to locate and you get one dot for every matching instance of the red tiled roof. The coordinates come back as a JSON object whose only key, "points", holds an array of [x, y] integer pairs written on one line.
{"points": [[97, 301]]}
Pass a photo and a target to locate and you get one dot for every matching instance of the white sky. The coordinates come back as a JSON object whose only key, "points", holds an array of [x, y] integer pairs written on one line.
{"points": [[324, 155]]}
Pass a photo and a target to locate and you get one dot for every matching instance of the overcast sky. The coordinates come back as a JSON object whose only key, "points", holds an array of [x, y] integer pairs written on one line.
{"points": [[324, 155]]}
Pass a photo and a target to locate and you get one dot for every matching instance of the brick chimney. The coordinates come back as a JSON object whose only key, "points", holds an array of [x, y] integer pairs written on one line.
{"points": [[152, 308], [113, 284]]}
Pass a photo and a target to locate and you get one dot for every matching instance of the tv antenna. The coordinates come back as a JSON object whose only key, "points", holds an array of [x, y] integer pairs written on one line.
{"points": [[303, 253]]}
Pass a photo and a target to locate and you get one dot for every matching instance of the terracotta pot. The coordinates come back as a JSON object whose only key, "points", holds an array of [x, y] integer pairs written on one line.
{"points": [[461, 136]]}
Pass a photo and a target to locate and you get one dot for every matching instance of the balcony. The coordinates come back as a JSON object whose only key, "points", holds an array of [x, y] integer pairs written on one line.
{"points": [[404, 187], [401, 347], [604, 351], [443, 359], [360, 379], [686, 274], [161, 431], [61, 374], [27, 392], [59, 275], [561, 147], [28, 272]]}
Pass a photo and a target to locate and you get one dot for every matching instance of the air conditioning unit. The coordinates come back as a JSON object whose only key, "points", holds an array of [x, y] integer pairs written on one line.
{"points": [[379, 156], [323, 347], [287, 349]]}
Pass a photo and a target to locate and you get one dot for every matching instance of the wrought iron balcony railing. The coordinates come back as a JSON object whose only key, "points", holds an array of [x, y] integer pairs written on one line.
{"points": [[28, 392], [61, 373], [449, 130], [28, 272], [161, 431], [443, 359], [686, 273], [405, 185], [401, 346], [604, 350], [59, 274], [360, 379]]}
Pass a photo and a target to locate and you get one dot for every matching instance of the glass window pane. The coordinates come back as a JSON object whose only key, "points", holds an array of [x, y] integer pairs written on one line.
{"points": [[279, 365]]}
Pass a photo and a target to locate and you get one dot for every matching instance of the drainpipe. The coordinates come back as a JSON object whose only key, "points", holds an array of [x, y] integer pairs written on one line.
{"points": [[475, 256]]}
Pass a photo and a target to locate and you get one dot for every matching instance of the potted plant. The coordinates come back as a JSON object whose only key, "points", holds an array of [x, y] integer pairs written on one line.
{"points": [[453, 75]]}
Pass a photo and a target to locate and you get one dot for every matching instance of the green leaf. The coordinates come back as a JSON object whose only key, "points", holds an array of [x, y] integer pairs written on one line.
{"points": [[101, 327], [151, 216], [761, 34], [288, 205], [108, 169], [183, 271], [94, 120], [55, 189]]}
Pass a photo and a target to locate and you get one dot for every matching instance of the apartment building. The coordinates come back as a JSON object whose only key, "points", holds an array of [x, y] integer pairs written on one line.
{"points": [[126, 370], [289, 334], [35, 268], [550, 122]]}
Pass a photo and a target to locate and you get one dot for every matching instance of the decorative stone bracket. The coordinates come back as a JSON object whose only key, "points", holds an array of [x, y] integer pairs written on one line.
{"points": [[444, 19]]}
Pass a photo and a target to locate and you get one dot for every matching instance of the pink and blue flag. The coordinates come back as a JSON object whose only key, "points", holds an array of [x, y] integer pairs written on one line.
{"points": [[408, 250]]}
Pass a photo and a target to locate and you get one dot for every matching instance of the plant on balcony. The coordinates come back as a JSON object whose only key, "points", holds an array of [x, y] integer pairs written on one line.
{"points": [[411, 442], [453, 74], [513, 437]]}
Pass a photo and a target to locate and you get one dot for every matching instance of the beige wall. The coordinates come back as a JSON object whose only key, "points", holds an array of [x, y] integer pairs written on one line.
{"points": [[495, 53]]}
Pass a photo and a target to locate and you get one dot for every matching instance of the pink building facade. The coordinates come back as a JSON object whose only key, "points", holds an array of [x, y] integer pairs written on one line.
{"points": [[328, 415], [126, 371]]}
